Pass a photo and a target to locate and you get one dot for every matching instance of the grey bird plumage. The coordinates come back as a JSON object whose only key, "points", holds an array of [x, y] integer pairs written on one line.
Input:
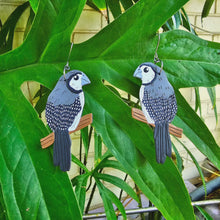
{"points": [[63, 112], [158, 104]]}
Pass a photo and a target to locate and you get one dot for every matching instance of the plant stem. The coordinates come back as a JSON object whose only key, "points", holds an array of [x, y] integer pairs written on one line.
{"points": [[91, 196], [80, 153], [90, 183], [85, 156], [120, 195], [29, 93], [40, 95], [129, 97], [107, 9]]}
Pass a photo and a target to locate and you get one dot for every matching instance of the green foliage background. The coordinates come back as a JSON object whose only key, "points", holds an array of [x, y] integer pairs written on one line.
{"points": [[31, 187]]}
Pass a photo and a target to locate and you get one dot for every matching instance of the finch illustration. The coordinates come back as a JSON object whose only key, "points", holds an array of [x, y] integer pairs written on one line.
{"points": [[63, 112], [158, 103]]}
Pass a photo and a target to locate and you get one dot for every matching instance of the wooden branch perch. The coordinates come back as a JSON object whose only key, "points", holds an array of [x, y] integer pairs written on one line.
{"points": [[84, 122], [139, 115]]}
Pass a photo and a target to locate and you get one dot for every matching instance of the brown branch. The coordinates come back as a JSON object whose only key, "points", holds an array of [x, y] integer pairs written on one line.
{"points": [[84, 122], [139, 115]]}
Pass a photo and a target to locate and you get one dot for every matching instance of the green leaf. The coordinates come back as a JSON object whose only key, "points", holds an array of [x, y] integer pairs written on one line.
{"points": [[186, 21], [198, 102], [43, 90], [196, 164], [109, 210], [126, 4], [112, 197], [197, 66], [179, 159], [212, 95], [197, 131], [80, 183], [41, 103], [32, 187], [100, 4], [151, 180], [34, 5], [117, 182], [115, 91], [29, 23], [204, 213], [106, 155], [3, 211], [98, 147], [92, 5], [85, 139], [79, 163], [206, 8], [7, 31], [27, 176], [115, 7], [178, 19], [173, 22], [110, 163]]}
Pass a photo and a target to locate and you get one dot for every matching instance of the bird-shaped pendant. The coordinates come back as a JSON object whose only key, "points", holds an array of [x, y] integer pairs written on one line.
{"points": [[158, 103], [63, 112]]}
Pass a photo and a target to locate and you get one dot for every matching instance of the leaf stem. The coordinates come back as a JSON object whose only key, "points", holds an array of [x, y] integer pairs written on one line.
{"points": [[120, 195], [80, 153], [29, 93], [90, 137], [91, 196]]}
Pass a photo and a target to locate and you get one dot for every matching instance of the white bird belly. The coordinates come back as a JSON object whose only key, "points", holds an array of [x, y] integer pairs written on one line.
{"points": [[146, 114], [78, 117]]}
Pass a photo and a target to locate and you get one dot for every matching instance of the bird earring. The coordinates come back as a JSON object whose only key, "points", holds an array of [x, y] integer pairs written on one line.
{"points": [[63, 113], [158, 103]]}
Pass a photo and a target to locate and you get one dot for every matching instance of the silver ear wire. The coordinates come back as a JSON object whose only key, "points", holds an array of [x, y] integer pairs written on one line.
{"points": [[156, 57], [67, 67]]}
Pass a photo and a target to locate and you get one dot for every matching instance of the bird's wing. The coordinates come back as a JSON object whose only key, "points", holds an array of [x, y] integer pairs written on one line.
{"points": [[160, 109], [62, 116]]}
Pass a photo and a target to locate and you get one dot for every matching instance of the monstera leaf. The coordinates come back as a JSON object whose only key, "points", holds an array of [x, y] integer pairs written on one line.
{"points": [[31, 187]]}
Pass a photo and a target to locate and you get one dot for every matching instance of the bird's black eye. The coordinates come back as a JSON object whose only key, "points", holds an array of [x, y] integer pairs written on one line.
{"points": [[76, 77], [146, 69]]}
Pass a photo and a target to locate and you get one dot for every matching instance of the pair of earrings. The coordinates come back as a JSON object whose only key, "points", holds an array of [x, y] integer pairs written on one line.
{"points": [[65, 106]]}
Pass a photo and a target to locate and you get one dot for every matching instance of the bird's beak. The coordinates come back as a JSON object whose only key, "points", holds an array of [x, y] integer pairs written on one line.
{"points": [[85, 80], [138, 73]]}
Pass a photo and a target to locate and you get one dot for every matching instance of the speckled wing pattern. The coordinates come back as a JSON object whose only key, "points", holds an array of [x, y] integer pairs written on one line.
{"points": [[160, 109], [62, 116]]}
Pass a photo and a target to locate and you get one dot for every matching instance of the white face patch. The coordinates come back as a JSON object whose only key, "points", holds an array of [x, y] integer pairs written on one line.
{"points": [[147, 74], [75, 82]]}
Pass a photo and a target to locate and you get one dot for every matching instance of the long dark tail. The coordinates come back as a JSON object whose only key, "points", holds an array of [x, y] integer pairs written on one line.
{"points": [[162, 141], [61, 150]]}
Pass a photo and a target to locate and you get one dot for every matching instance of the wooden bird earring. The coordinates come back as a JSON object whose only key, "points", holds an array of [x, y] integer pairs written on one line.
{"points": [[158, 103], [63, 112]]}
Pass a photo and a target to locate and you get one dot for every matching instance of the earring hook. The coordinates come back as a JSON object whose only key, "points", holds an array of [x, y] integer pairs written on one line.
{"points": [[156, 57], [67, 67]]}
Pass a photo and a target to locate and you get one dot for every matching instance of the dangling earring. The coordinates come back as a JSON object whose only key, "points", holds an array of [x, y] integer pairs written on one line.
{"points": [[63, 113], [158, 103]]}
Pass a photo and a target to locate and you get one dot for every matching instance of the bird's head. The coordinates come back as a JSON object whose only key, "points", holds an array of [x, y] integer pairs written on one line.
{"points": [[147, 72], [75, 80]]}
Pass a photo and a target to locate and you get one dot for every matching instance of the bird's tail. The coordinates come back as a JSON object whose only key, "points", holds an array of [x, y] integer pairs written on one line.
{"points": [[62, 150], [162, 141]]}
